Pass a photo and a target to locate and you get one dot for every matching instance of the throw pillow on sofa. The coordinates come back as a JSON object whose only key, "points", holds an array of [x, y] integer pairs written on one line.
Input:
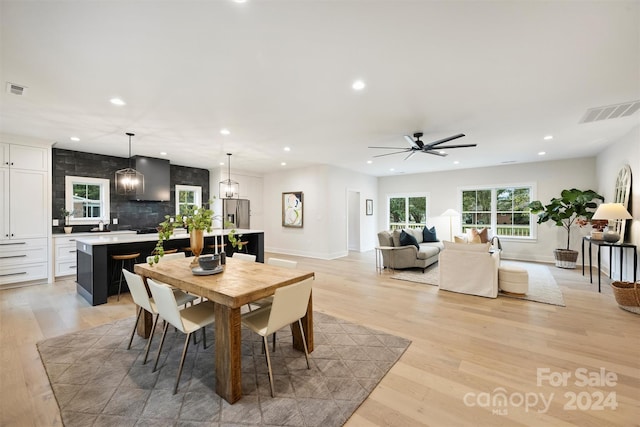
{"points": [[407, 239], [429, 234], [483, 234]]}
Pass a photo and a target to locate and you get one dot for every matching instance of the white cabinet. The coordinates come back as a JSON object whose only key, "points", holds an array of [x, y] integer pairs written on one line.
{"points": [[24, 207], [65, 255]]}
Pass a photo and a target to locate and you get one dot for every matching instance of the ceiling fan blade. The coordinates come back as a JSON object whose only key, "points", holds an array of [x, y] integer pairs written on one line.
{"points": [[435, 153], [410, 154], [411, 142], [397, 152], [392, 148], [457, 146], [440, 141]]}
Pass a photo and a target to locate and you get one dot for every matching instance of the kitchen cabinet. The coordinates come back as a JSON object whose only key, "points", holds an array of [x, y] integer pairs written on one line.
{"points": [[24, 208], [64, 255]]}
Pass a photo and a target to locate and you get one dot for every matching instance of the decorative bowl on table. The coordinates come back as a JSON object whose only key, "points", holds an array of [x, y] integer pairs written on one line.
{"points": [[208, 262]]}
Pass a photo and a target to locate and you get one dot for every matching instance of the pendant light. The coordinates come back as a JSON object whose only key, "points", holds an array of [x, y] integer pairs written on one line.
{"points": [[129, 180], [229, 189]]}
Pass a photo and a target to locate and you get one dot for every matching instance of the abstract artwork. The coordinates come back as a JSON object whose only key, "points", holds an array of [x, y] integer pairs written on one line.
{"points": [[292, 209], [369, 207]]}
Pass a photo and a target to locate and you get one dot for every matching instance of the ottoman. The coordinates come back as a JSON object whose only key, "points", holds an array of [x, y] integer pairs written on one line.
{"points": [[513, 280]]}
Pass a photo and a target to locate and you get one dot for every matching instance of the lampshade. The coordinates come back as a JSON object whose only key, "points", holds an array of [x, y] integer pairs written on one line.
{"points": [[229, 189], [129, 180], [450, 212], [611, 211]]}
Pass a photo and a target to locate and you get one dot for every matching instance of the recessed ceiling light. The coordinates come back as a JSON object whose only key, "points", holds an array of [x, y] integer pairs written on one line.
{"points": [[548, 137], [442, 152], [163, 153], [117, 101], [542, 153], [358, 85], [221, 163], [74, 138], [456, 162], [225, 131], [283, 164], [239, 1], [287, 148], [369, 162], [392, 169]]}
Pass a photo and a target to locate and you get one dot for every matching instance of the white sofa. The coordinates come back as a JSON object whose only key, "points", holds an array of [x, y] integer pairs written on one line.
{"points": [[469, 268], [408, 256]]}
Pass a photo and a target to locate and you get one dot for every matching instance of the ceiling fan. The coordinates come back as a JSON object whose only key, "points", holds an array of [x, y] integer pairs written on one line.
{"points": [[417, 146]]}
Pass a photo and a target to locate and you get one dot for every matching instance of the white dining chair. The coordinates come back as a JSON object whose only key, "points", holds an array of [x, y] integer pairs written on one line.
{"points": [[289, 306], [188, 320], [282, 262], [167, 256], [144, 302], [244, 257]]}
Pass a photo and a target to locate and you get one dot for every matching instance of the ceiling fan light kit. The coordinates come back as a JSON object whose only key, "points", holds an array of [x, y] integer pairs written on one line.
{"points": [[416, 145]]}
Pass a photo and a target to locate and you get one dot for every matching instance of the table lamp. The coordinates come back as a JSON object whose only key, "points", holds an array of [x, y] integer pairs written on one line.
{"points": [[611, 212], [450, 213]]}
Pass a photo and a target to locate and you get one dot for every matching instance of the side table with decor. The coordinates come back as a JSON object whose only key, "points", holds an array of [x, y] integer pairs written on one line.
{"points": [[627, 295]]}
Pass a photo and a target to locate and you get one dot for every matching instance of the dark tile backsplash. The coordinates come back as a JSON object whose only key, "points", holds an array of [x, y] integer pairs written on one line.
{"points": [[130, 214]]}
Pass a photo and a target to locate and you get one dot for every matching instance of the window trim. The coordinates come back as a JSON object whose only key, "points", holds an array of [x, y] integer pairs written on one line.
{"points": [[494, 207], [195, 188], [105, 197], [390, 196]]}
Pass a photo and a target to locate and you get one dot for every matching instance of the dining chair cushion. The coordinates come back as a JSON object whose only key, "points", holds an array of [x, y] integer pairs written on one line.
{"points": [[187, 320]]}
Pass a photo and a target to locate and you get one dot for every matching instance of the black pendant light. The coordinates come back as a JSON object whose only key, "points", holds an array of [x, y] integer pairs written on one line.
{"points": [[229, 189], [129, 180]]}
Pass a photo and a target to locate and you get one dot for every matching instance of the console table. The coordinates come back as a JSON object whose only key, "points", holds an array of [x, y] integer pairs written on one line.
{"points": [[600, 244]]}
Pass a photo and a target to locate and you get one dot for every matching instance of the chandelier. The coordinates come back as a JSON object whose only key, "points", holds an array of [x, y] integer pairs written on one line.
{"points": [[229, 189], [129, 180]]}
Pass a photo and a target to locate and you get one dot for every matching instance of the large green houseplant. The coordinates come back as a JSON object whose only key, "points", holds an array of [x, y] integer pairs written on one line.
{"points": [[565, 211]]}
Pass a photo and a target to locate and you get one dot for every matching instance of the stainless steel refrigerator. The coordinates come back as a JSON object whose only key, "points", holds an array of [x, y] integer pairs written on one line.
{"points": [[236, 211]]}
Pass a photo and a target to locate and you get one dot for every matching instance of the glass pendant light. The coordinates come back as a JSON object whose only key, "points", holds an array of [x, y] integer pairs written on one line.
{"points": [[229, 189], [129, 180]]}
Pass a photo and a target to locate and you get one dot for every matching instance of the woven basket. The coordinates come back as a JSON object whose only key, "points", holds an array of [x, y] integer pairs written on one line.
{"points": [[627, 295], [565, 258]]}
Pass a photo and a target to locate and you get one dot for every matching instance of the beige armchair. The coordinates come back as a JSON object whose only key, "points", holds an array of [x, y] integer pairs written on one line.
{"points": [[469, 269]]}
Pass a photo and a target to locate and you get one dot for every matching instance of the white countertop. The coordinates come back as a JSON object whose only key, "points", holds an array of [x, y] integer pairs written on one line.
{"points": [[93, 233], [112, 238]]}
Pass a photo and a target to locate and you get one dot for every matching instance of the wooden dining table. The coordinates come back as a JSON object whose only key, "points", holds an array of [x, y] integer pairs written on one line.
{"points": [[240, 283]]}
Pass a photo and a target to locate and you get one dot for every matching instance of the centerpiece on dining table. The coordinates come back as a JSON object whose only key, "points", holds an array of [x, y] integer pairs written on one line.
{"points": [[196, 220]]}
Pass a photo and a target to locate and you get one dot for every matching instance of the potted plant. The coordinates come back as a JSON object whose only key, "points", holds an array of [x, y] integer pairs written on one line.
{"points": [[196, 220], [66, 215], [564, 211]]}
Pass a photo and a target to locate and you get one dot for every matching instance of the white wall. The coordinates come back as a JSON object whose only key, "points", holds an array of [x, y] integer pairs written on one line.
{"points": [[609, 162], [324, 233], [549, 178]]}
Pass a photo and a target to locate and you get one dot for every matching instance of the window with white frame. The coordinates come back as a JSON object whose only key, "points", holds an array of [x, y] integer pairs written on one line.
{"points": [[87, 199], [502, 208], [187, 196], [407, 211]]}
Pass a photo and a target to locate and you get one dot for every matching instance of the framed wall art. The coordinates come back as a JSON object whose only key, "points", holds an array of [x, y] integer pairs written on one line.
{"points": [[292, 209], [369, 206]]}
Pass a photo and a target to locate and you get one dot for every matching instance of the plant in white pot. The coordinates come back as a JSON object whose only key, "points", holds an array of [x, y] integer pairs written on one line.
{"points": [[565, 211]]}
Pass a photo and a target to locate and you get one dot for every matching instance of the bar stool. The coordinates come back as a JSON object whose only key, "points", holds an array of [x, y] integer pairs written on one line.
{"points": [[242, 245], [217, 247], [124, 258]]}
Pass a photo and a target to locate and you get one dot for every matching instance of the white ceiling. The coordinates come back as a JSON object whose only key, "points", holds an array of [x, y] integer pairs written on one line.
{"points": [[279, 73]]}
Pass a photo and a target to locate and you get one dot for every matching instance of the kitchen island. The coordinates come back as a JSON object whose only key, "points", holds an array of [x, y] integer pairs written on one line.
{"points": [[95, 267]]}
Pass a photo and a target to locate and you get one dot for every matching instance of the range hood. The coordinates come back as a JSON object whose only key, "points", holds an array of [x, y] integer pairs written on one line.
{"points": [[157, 177]]}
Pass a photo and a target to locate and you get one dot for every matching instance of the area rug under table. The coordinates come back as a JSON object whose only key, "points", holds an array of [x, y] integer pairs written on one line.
{"points": [[97, 381], [542, 286]]}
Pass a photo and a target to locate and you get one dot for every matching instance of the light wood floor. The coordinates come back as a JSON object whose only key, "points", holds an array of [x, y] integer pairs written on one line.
{"points": [[460, 345]]}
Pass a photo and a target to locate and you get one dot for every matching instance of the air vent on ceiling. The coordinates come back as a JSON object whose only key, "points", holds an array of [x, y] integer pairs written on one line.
{"points": [[15, 89], [610, 112]]}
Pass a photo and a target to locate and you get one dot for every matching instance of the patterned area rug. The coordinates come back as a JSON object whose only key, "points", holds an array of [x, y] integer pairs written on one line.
{"points": [[542, 286], [97, 381]]}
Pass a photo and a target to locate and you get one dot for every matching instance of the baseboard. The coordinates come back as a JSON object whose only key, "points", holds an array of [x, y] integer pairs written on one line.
{"points": [[308, 254]]}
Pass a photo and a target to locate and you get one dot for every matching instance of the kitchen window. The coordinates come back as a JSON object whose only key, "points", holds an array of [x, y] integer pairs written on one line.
{"points": [[87, 199], [186, 196]]}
